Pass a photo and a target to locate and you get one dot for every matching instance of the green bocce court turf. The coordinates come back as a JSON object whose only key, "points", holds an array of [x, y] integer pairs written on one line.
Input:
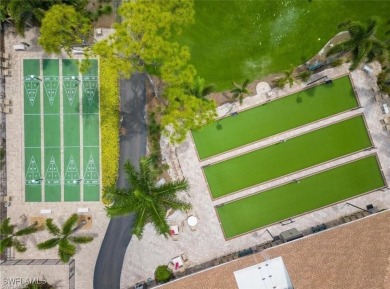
{"points": [[283, 158], [293, 199], [275, 117]]}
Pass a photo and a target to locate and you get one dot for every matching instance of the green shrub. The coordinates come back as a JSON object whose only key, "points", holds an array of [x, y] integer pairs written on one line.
{"points": [[163, 274], [109, 114], [106, 9], [305, 75], [337, 62], [2, 154], [154, 135]]}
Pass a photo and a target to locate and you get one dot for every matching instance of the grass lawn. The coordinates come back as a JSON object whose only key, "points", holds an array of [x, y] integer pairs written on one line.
{"points": [[280, 159], [312, 193], [234, 40], [275, 117]]}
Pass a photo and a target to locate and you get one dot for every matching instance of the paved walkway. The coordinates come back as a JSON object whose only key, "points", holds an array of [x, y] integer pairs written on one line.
{"points": [[208, 241]]}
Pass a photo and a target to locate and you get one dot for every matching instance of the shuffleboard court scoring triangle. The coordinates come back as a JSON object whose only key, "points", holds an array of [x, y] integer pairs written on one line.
{"points": [[32, 172], [51, 84], [70, 88], [71, 173], [91, 175], [32, 87], [90, 85], [52, 176]]}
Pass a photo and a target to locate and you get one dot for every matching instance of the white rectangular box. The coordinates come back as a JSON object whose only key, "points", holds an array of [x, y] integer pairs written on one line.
{"points": [[19, 47], [83, 210], [46, 211]]}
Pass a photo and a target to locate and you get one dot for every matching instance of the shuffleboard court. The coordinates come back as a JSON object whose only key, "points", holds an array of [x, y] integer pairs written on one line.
{"points": [[32, 130], [52, 176], [52, 129], [61, 131], [280, 159], [72, 174], [91, 163], [293, 199], [71, 120], [280, 115]]}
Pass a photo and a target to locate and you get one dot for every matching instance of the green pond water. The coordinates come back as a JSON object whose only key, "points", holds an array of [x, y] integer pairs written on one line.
{"points": [[234, 40]]}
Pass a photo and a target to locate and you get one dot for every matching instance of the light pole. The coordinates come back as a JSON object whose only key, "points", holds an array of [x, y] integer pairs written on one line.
{"points": [[35, 77]]}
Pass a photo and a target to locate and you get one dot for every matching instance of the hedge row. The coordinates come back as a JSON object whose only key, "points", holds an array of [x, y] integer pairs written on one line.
{"points": [[109, 122]]}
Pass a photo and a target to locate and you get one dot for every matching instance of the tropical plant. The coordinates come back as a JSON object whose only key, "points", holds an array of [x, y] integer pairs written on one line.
{"points": [[362, 42], [38, 286], [147, 201], [162, 274], [9, 238], [63, 238], [240, 90], [287, 78], [384, 80], [305, 75], [200, 90]]}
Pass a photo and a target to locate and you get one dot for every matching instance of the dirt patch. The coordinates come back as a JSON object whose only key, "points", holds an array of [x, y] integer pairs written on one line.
{"points": [[104, 21]]}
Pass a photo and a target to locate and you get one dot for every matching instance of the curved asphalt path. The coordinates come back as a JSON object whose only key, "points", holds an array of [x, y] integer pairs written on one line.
{"points": [[109, 263]]}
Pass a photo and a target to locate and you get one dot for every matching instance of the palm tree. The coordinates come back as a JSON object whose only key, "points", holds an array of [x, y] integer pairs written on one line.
{"points": [[200, 90], [9, 238], [362, 42], [63, 237], [240, 90], [147, 201], [287, 78]]}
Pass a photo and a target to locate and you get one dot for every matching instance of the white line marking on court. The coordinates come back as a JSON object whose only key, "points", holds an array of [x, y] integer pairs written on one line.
{"points": [[91, 175], [72, 172], [32, 172], [52, 176]]}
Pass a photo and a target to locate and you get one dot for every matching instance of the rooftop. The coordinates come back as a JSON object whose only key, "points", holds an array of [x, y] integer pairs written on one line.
{"points": [[320, 261]]}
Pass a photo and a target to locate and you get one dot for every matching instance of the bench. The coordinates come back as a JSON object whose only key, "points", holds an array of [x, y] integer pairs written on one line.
{"points": [[45, 211], [367, 69], [82, 210], [19, 47]]}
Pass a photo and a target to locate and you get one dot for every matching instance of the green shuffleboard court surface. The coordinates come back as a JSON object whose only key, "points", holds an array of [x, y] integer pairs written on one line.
{"points": [[32, 130], [52, 129], [277, 116], [91, 133], [293, 199], [280, 159], [71, 118], [62, 156]]}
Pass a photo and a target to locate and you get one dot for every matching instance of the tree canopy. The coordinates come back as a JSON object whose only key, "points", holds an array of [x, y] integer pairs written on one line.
{"points": [[142, 42], [62, 28], [31, 12]]}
